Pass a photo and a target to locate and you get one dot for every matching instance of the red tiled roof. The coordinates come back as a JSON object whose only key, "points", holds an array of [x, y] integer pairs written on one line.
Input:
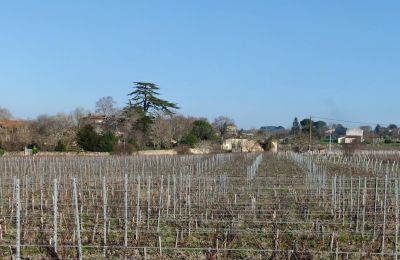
{"points": [[12, 123]]}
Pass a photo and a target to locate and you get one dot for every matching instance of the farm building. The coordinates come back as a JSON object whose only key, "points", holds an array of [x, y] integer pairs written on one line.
{"points": [[352, 135]]}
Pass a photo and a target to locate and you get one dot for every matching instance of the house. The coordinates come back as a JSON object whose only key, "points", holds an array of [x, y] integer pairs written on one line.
{"points": [[93, 119], [352, 136]]}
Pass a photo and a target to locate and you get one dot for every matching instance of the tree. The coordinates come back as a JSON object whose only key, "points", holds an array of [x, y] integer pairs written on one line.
{"points": [[316, 126], [160, 131], [203, 130], [106, 106], [89, 140], [300, 142], [392, 127], [168, 131], [366, 128], [221, 124], [78, 114], [319, 124], [48, 130], [60, 147], [295, 126], [340, 130], [377, 129], [16, 136], [5, 114], [144, 101]]}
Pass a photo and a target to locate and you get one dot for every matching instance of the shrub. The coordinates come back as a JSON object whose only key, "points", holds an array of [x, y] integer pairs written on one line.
{"points": [[106, 142], [60, 147], [89, 140], [35, 150], [388, 141], [2, 152], [190, 140], [203, 130]]}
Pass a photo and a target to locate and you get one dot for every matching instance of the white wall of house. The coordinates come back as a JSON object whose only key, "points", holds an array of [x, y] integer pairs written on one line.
{"points": [[355, 132]]}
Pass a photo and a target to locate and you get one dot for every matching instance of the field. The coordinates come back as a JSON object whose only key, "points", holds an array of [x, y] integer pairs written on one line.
{"points": [[226, 206]]}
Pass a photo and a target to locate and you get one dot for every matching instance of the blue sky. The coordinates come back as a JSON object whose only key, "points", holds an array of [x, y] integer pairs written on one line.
{"points": [[259, 62]]}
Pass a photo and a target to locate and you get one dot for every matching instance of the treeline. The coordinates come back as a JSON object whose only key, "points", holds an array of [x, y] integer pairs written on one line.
{"points": [[319, 129], [146, 122]]}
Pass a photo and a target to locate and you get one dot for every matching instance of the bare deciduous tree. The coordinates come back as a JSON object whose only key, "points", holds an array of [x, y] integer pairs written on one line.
{"points": [[221, 124], [78, 114], [166, 131], [15, 135], [5, 113], [49, 130], [106, 106]]}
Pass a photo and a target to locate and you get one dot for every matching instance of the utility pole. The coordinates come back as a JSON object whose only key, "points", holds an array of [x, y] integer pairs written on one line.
{"points": [[309, 147], [330, 140]]}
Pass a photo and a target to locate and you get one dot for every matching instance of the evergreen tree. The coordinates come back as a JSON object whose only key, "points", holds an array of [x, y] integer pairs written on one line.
{"points": [[296, 126], [89, 140], [377, 129], [145, 102], [203, 130]]}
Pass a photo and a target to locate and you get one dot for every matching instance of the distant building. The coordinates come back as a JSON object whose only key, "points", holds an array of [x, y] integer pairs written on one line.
{"points": [[103, 124], [241, 145], [352, 136], [93, 119]]}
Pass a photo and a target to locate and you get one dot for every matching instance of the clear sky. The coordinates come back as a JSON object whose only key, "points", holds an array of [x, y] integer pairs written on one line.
{"points": [[259, 62]]}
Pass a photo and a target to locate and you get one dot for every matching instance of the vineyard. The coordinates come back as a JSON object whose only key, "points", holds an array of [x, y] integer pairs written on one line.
{"points": [[227, 206]]}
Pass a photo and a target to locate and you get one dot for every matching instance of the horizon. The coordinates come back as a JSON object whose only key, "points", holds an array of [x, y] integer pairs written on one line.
{"points": [[261, 64]]}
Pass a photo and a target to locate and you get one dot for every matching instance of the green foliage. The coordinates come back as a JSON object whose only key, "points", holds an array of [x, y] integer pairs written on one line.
{"points": [[60, 147], [106, 142], [295, 126], [144, 102], [377, 129], [316, 125], [190, 140], [388, 141], [340, 130], [203, 130], [89, 140], [2, 152], [35, 150]]}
